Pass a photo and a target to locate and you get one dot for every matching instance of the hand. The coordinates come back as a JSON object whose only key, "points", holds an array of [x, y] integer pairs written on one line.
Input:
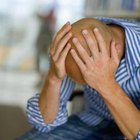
{"points": [[59, 50], [98, 70]]}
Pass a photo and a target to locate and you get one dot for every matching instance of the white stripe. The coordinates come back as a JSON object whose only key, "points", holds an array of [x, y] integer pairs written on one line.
{"points": [[95, 103]]}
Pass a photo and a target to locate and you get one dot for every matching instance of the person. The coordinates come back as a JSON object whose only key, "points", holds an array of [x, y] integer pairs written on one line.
{"points": [[107, 57]]}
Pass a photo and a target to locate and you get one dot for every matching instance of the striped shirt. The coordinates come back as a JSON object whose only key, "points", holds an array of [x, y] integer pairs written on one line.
{"points": [[138, 137], [127, 75]]}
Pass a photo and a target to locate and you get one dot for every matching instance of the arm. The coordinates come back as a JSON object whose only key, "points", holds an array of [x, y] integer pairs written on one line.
{"points": [[50, 96], [125, 113], [49, 109], [33, 111], [99, 71]]}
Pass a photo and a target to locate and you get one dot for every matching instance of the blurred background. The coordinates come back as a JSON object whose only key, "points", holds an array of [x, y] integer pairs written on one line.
{"points": [[27, 28]]}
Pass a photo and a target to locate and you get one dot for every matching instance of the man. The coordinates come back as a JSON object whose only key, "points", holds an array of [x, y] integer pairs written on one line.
{"points": [[107, 63]]}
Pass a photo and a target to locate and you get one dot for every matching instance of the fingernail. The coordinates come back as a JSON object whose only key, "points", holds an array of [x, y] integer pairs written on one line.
{"points": [[72, 50], [68, 23], [68, 45], [70, 34], [113, 41], [74, 40], [96, 30], [85, 32]]}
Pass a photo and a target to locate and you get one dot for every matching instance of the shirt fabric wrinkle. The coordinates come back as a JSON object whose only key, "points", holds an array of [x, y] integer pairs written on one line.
{"points": [[127, 75]]}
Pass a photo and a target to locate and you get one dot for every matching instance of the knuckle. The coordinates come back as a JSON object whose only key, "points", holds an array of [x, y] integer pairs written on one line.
{"points": [[88, 36], [82, 53], [56, 38], [91, 43], [63, 54], [102, 41], [54, 59], [59, 32], [64, 27], [84, 70], [57, 65], [67, 36]]}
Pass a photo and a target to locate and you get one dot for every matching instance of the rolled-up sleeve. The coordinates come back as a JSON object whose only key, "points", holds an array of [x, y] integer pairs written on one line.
{"points": [[34, 114]]}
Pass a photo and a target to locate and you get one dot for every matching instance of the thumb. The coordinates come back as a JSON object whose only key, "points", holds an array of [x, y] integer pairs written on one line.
{"points": [[114, 53]]}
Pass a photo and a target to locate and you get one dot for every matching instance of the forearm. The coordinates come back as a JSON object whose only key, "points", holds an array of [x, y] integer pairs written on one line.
{"points": [[125, 113], [50, 98]]}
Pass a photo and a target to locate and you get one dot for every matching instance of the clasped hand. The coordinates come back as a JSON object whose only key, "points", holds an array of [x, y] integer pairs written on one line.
{"points": [[98, 70]]}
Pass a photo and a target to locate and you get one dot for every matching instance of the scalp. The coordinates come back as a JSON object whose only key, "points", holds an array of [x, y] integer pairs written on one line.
{"points": [[72, 68]]}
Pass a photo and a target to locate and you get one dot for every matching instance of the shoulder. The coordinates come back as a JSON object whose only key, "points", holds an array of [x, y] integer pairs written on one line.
{"points": [[119, 21]]}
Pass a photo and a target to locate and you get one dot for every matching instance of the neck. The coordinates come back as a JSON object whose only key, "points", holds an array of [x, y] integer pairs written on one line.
{"points": [[119, 37]]}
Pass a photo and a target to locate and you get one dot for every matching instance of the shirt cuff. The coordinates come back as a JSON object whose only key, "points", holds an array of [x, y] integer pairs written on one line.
{"points": [[36, 119]]}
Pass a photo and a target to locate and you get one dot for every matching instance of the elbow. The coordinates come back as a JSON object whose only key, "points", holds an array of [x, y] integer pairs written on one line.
{"points": [[49, 120], [49, 116], [131, 136]]}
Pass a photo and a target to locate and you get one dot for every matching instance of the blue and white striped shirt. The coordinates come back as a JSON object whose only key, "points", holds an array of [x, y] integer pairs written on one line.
{"points": [[128, 76]]}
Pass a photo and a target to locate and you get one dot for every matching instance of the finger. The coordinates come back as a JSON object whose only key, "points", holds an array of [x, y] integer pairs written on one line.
{"points": [[101, 42], [78, 61], [64, 53], [61, 33], [61, 45], [114, 53], [91, 42], [82, 52]]}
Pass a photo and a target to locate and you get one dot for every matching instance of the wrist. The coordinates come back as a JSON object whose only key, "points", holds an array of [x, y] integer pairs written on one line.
{"points": [[53, 79], [108, 88]]}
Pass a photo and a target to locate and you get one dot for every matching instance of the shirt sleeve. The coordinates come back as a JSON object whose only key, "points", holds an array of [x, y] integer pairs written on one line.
{"points": [[132, 88], [138, 136], [34, 114]]}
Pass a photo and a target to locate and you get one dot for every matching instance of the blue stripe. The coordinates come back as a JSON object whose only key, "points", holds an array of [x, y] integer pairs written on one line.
{"points": [[134, 49], [128, 76]]}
